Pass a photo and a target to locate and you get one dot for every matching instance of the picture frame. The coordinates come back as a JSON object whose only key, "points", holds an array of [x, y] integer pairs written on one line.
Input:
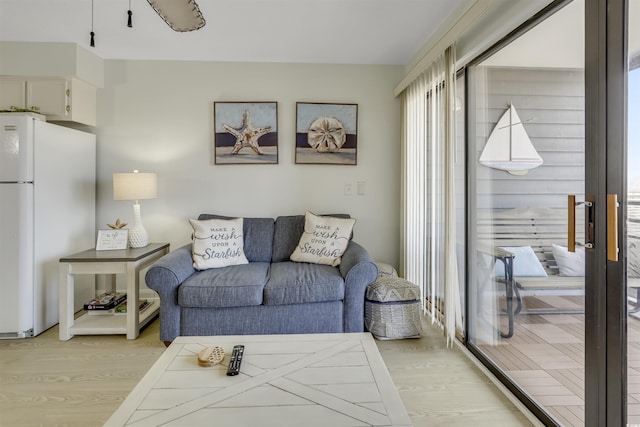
{"points": [[326, 133], [245, 132], [112, 239]]}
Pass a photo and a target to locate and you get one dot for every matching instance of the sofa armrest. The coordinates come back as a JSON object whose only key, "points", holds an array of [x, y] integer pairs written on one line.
{"points": [[165, 277], [359, 271]]}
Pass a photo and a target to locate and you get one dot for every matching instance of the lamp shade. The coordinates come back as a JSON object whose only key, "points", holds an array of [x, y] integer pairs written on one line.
{"points": [[135, 186]]}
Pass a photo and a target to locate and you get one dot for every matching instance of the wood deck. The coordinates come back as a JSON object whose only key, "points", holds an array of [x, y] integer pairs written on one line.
{"points": [[545, 357]]}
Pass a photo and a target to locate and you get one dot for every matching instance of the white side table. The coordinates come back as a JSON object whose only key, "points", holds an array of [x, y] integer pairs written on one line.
{"points": [[126, 261]]}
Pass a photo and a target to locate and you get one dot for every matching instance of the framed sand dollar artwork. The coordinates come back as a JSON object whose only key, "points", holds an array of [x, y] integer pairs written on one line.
{"points": [[245, 132], [326, 133]]}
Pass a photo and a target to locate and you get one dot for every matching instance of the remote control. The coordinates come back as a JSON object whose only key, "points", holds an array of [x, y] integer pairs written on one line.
{"points": [[236, 360]]}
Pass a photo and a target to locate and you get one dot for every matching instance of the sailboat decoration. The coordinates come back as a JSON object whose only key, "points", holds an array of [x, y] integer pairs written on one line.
{"points": [[509, 147]]}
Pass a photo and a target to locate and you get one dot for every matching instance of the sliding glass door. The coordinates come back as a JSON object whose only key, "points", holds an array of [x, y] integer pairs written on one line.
{"points": [[553, 307], [632, 213], [526, 145], [612, 328]]}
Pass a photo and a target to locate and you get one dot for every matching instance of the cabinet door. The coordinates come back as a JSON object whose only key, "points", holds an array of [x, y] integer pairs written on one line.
{"points": [[48, 97], [12, 94], [82, 101]]}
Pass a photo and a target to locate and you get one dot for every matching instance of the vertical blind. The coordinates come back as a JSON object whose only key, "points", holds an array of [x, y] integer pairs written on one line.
{"points": [[428, 192]]}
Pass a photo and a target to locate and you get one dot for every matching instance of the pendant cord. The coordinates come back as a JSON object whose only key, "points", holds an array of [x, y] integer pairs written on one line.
{"points": [[92, 42], [130, 13]]}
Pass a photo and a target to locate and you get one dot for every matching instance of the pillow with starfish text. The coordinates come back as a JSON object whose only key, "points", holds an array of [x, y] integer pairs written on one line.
{"points": [[324, 239], [217, 243]]}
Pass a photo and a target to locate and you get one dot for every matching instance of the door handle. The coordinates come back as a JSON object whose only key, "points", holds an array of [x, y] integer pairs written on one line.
{"points": [[571, 223], [612, 227]]}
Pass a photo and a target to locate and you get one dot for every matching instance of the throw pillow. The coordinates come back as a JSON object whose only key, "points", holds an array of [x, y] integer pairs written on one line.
{"points": [[217, 243], [569, 263], [324, 239], [525, 263]]}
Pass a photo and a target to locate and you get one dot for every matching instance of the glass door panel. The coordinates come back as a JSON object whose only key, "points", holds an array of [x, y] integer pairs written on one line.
{"points": [[527, 146], [633, 216]]}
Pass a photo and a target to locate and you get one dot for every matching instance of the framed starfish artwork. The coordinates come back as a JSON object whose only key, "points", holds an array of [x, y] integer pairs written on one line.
{"points": [[245, 132], [326, 133]]}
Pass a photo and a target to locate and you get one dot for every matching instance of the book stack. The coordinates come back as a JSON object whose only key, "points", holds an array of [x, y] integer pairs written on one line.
{"points": [[105, 302], [143, 304], [113, 303]]}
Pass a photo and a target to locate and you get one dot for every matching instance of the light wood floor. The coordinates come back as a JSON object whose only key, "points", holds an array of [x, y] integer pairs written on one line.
{"points": [[46, 382]]}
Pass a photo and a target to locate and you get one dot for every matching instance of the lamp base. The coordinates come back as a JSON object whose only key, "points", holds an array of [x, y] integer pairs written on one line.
{"points": [[138, 236]]}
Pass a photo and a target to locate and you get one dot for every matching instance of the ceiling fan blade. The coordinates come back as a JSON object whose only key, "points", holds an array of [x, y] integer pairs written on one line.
{"points": [[180, 15]]}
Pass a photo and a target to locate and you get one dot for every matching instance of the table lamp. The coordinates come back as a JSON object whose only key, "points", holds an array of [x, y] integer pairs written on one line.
{"points": [[135, 186]]}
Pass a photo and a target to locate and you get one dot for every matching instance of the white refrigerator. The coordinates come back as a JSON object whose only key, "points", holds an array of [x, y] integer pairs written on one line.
{"points": [[47, 211]]}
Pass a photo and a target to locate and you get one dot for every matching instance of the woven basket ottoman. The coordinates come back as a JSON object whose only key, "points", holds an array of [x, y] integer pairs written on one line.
{"points": [[392, 309]]}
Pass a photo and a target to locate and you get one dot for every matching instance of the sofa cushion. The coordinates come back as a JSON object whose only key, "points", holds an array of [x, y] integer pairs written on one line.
{"points": [[294, 283], [324, 239], [287, 233], [217, 243], [233, 286], [286, 236], [258, 236]]}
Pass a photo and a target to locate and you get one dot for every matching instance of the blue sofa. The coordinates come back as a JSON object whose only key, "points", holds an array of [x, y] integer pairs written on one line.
{"points": [[269, 295]]}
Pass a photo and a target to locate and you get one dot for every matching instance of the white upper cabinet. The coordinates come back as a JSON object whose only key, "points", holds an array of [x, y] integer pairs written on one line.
{"points": [[12, 93], [56, 98]]}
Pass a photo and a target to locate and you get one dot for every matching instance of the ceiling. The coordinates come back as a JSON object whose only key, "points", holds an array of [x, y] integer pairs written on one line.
{"points": [[304, 31]]}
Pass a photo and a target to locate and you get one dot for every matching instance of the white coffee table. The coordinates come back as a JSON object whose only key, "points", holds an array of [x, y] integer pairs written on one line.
{"points": [[285, 380]]}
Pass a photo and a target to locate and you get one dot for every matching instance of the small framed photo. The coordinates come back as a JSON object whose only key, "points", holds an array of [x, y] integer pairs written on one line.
{"points": [[326, 134], [245, 133], [112, 239]]}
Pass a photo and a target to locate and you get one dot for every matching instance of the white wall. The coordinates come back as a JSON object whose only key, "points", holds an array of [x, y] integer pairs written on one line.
{"points": [[156, 116]]}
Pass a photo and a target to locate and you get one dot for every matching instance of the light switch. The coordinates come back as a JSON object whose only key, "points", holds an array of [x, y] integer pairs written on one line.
{"points": [[362, 188], [348, 189]]}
